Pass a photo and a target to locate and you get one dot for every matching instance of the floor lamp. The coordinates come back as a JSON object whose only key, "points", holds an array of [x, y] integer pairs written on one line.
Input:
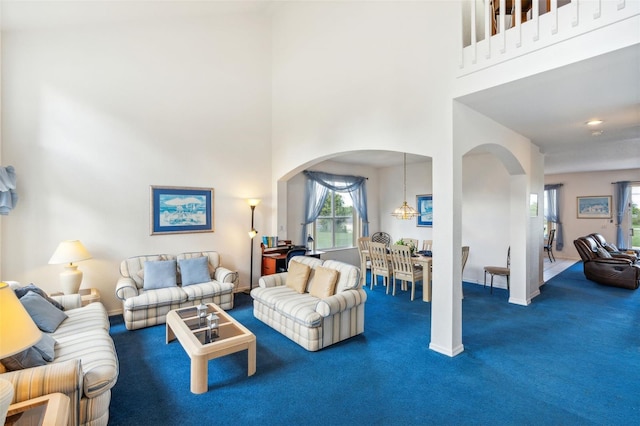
{"points": [[253, 202]]}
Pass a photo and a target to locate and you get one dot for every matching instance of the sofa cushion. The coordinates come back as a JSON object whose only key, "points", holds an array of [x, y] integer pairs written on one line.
{"points": [[21, 291], [207, 290], [324, 282], [85, 336], [159, 274], [300, 308], [46, 316], [157, 297], [297, 276], [194, 270]]}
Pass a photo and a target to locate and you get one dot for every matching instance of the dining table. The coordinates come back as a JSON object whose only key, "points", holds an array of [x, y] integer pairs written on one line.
{"points": [[425, 262]]}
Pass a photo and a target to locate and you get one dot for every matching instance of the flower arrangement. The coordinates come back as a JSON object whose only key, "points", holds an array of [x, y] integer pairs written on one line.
{"points": [[411, 246]]}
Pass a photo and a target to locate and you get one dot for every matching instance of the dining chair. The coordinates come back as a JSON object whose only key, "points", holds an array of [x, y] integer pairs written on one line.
{"points": [[411, 241], [426, 245], [404, 268], [498, 270], [381, 237], [380, 265], [549, 246], [365, 258]]}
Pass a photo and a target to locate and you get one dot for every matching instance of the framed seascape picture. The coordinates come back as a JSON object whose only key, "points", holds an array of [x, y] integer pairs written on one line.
{"points": [[176, 210], [425, 209], [594, 207]]}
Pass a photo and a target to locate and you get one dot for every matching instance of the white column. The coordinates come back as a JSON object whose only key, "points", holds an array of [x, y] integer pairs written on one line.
{"points": [[446, 302]]}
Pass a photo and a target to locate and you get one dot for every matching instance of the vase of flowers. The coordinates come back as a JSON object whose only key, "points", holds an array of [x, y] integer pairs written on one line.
{"points": [[411, 246]]}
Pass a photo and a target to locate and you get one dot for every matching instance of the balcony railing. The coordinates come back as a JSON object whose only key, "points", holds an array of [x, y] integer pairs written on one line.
{"points": [[489, 36]]}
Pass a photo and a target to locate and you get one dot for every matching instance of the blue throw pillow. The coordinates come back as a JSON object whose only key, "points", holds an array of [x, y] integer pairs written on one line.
{"points": [[28, 358], [21, 291], [46, 347], [46, 316], [159, 274], [194, 270]]}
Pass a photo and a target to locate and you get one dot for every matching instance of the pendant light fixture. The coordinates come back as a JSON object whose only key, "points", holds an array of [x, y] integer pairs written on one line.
{"points": [[405, 211]]}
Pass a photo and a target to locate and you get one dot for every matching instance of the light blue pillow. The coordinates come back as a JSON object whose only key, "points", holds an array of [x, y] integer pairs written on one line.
{"points": [[195, 270], [46, 347], [46, 316], [159, 274]]}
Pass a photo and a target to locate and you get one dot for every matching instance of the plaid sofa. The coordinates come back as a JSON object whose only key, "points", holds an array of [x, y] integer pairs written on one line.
{"points": [[144, 308], [85, 366], [311, 322]]}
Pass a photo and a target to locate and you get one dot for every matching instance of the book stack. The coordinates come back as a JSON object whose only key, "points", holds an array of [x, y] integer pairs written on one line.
{"points": [[270, 242]]}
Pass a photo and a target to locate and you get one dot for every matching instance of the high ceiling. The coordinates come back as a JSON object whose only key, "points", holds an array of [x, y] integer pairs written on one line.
{"points": [[552, 110]]}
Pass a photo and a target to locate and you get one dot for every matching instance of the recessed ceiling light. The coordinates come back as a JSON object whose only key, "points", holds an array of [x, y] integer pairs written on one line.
{"points": [[594, 122]]}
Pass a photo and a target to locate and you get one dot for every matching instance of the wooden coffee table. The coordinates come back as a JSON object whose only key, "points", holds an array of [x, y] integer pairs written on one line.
{"points": [[183, 324]]}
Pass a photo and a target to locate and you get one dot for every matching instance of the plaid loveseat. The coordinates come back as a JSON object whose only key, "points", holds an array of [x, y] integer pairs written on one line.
{"points": [[146, 307], [312, 322], [85, 365]]}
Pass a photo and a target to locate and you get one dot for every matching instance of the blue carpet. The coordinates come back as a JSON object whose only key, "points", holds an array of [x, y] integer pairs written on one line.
{"points": [[572, 357]]}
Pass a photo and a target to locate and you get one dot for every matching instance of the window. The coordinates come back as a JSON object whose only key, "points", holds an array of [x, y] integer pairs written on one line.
{"points": [[634, 212], [335, 224], [548, 224]]}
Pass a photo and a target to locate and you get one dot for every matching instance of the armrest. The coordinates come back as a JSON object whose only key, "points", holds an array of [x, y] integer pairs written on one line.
{"points": [[126, 288], [225, 275], [64, 377], [274, 280], [68, 301], [612, 260], [631, 257], [340, 302]]}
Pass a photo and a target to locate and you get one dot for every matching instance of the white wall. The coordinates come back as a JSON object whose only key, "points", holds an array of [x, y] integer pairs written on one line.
{"points": [[95, 114], [485, 215], [587, 184], [351, 76]]}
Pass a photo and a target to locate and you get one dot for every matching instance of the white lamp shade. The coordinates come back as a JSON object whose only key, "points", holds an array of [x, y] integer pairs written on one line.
{"points": [[69, 251], [17, 329]]}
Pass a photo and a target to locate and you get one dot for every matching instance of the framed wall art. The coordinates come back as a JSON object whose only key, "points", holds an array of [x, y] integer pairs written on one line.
{"points": [[424, 205], [177, 209], [598, 207]]}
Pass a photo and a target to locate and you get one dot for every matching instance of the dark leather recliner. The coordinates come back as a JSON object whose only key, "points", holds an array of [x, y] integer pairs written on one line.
{"points": [[611, 248], [611, 271]]}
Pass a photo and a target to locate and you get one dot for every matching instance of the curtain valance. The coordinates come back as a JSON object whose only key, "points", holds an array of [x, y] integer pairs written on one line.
{"points": [[318, 186]]}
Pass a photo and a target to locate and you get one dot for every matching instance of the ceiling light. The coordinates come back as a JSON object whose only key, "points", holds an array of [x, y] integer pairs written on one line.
{"points": [[405, 211], [594, 122]]}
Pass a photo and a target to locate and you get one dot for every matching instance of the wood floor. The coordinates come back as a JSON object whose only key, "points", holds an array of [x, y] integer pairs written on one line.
{"points": [[551, 269]]}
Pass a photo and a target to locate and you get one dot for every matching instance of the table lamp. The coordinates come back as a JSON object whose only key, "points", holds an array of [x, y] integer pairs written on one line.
{"points": [[68, 252], [17, 332]]}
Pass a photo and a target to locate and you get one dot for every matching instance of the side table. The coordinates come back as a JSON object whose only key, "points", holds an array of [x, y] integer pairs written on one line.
{"points": [[47, 410], [89, 295]]}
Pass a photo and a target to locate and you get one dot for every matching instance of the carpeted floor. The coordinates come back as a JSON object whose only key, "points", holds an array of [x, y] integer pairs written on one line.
{"points": [[570, 358]]}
